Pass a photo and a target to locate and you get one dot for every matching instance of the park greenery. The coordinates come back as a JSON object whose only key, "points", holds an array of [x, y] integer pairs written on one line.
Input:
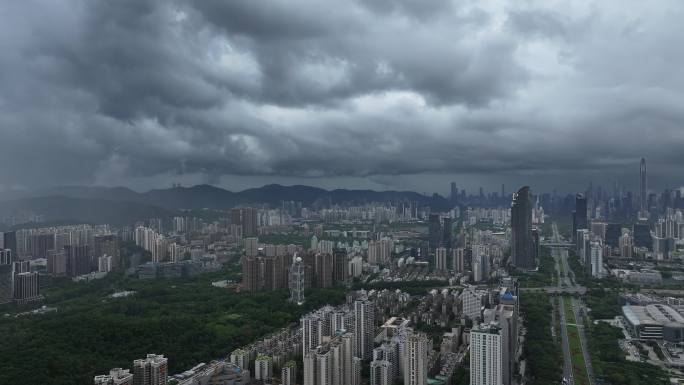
{"points": [[609, 362], [543, 358], [188, 320]]}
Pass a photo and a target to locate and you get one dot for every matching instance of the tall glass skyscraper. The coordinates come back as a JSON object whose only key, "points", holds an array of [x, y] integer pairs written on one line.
{"points": [[522, 254]]}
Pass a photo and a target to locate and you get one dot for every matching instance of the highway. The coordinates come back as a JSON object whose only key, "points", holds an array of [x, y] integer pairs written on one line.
{"points": [[566, 284]]}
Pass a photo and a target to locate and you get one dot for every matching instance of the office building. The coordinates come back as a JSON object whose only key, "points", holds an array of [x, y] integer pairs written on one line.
{"points": [[9, 241], [642, 235], [434, 231], [447, 234], [116, 376], [488, 356], [416, 359], [613, 234], [579, 218], [522, 253], [152, 370]]}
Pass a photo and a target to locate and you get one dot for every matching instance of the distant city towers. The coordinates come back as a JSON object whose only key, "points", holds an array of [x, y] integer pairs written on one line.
{"points": [[643, 198]]}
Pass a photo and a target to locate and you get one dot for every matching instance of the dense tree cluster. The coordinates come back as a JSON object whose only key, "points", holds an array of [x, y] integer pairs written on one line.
{"points": [[544, 358], [189, 321], [610, 364]]}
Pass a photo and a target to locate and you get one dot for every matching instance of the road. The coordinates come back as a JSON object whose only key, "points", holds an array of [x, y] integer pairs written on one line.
{"points": [[566, 284]]}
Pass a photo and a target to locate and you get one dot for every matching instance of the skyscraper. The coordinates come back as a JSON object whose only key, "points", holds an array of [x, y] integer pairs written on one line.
{"points": [[643, 186], [446, 233], [522, 254], [454, 193], [579, 216], [434, 231]]}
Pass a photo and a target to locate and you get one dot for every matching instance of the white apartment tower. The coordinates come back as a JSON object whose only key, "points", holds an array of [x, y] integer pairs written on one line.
{"points": [[487, 355], [416, 359]]}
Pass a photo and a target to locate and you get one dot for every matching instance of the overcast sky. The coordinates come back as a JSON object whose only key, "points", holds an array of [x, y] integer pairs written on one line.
{"points": [[385, 94]]}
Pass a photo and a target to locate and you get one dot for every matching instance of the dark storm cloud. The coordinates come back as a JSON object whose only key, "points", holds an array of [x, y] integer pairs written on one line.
{"points": [[148, 92]]}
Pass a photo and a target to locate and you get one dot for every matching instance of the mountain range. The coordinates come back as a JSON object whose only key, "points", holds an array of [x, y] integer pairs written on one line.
{"points": [[118, 205]]}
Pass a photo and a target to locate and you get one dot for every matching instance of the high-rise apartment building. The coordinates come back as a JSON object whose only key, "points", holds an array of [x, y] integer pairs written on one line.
{"points": [[250, 273], [522, 253], [288, 373], [251, 246], [324, 270], [263, 368], [416, 359], [340, 267], [240, 358], [458, 260], [246, 218], [364, 327], [6, 276], [381, 373], [78, 260], [441, 259], [107, 244], [152, 370], [488, 355]]}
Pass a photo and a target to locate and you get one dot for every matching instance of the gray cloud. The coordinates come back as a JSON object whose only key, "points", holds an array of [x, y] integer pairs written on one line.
{"points": [[372, 93]]}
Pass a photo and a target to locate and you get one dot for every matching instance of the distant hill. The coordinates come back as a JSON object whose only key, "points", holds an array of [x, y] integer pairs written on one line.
{"points": [[81, 210], [200, 197]]}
